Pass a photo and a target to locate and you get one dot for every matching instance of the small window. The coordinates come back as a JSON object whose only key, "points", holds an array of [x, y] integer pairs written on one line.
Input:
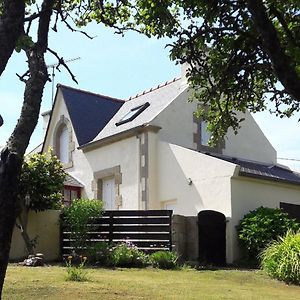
{"points": [[204, 134], [64, 145], [133, 113]]}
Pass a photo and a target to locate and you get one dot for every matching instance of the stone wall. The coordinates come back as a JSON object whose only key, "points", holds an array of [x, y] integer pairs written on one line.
{"points": [[185, 237]]}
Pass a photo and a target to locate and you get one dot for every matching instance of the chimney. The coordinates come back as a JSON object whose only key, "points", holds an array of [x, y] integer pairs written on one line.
{"points": [[46, 118], [184, 69]]}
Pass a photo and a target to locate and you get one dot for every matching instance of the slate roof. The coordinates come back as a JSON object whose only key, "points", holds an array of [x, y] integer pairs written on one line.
{"points": [[72, 181], [89, 112], [264, 171], [158, 98]]}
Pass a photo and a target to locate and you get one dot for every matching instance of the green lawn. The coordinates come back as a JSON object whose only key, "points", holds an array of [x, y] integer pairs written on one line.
{"points": [[49, 283]]}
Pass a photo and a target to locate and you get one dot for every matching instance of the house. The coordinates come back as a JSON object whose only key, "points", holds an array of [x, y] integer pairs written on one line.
{"points": [[150, 152]]}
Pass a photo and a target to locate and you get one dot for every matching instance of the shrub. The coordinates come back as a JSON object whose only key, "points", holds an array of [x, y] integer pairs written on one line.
{"points": [[76, 219], [281, 259], [100, 254], [127, 255], [259, 227], [164, 259], [76, 272]]}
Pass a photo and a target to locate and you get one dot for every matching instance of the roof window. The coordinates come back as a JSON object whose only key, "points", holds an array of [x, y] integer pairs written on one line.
{"points": [[133, 113]]}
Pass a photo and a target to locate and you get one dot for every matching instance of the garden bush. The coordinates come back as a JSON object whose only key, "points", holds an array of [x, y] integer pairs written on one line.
{"points": [[76, 217], [100, 254], [281, 259], [259, 227], [127, 255], [164, 259]]}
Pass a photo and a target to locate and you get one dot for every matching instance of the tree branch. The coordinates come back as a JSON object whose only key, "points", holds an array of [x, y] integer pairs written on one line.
{"points": [[282, 63]]}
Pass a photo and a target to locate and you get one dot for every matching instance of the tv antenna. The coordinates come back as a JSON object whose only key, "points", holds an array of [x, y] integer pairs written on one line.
{"points": [[53, 67]]}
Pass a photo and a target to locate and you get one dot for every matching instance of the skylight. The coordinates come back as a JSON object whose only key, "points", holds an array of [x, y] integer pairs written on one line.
{"points": [[133, 113]]}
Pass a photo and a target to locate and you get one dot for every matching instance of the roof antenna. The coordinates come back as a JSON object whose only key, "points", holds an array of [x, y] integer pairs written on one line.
{"points": [[53, 66]]}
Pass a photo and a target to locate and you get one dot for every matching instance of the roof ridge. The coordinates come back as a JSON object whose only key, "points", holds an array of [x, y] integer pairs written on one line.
{"points": [[154, 89], [90, 93]]}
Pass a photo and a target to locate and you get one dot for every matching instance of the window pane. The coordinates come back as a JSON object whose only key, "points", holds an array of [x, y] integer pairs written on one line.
{"points": [[74, 194], [64, 145], [205, 134]]}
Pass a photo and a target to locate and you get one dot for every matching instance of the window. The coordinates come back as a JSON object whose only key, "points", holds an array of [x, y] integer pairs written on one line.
{"points": [[133, 113], [204, 133], [70, 193], [64, 145]]}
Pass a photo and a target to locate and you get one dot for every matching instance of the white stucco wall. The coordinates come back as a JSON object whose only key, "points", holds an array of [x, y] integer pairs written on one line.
{"points": [[123, 153], [176, 121], [250, 142], [210, 188], [43, 225], [249, 194], [178, 127], [80, 168]]}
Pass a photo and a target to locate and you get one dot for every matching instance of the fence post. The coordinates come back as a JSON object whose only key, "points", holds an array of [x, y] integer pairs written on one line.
{"points": [[170, 229], [111, 223]]}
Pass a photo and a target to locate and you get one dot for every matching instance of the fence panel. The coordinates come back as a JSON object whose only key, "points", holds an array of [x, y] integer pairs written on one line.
{"points": [[149, 230]]}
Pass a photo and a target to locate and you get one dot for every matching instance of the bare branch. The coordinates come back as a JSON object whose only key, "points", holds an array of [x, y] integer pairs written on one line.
{"points": [[61, 62]]}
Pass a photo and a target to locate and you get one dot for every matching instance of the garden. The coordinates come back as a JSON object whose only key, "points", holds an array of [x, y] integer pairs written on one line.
{"points": [[268, 237]]}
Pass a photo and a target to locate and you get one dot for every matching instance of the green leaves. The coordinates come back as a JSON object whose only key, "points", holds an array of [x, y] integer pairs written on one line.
{"points": [[77, 217], [24, 42], [281, 259], [41, 181], [261, 226]]}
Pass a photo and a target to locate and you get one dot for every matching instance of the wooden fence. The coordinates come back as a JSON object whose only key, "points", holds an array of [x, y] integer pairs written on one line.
{"points": [[149, 230]]}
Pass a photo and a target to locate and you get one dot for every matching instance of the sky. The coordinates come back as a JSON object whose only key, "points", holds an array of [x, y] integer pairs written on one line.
{"points": [[119, 67]]}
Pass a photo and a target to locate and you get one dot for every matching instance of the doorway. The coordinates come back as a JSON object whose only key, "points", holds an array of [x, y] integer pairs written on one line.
{"points": [[109, 193], [212, 237]]}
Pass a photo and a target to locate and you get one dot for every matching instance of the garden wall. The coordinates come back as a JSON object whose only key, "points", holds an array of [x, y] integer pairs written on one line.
{"points": [[44, 225], [185, 237]]}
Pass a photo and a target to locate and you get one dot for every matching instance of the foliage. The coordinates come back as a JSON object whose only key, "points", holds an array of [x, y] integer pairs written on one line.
{"points": [[164, 259], [41, 181], [40, 186], [259, 227], [127, 255], [76, 272], [76, 218], [100, 254], [237, 51], [281, 259]]}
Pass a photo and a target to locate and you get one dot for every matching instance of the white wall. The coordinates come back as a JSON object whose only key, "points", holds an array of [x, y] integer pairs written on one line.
{"points": [[43, 225], [125, 154], [210, 188], [250, 142], [176, 121], [249, 194], [177, 124]]}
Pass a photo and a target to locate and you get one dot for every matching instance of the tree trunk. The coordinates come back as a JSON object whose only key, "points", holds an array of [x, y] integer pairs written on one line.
{"points": [[10, 166], [11, 158], [22, 224], [11, 27]]}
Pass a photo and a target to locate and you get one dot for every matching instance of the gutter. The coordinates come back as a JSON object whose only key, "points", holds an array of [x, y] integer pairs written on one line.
{"points": [[119, 136]]}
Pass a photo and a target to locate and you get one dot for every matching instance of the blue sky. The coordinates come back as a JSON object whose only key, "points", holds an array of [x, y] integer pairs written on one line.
{"points": [[120, 67]]}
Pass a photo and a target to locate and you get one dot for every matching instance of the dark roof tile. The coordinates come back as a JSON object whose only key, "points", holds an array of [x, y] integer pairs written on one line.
{"points": [[264, 171], [89, 112]]}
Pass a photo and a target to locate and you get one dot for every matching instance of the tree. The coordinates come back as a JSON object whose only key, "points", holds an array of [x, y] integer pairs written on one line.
{"points": [[17, 32], [240, 53], [41, 182]]}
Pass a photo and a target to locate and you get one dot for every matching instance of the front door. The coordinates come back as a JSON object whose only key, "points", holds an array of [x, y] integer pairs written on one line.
{"points": [[108, 193]]}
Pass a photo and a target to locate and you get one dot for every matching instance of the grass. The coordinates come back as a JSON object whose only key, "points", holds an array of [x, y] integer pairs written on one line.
{"points": [[49, 283]]}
